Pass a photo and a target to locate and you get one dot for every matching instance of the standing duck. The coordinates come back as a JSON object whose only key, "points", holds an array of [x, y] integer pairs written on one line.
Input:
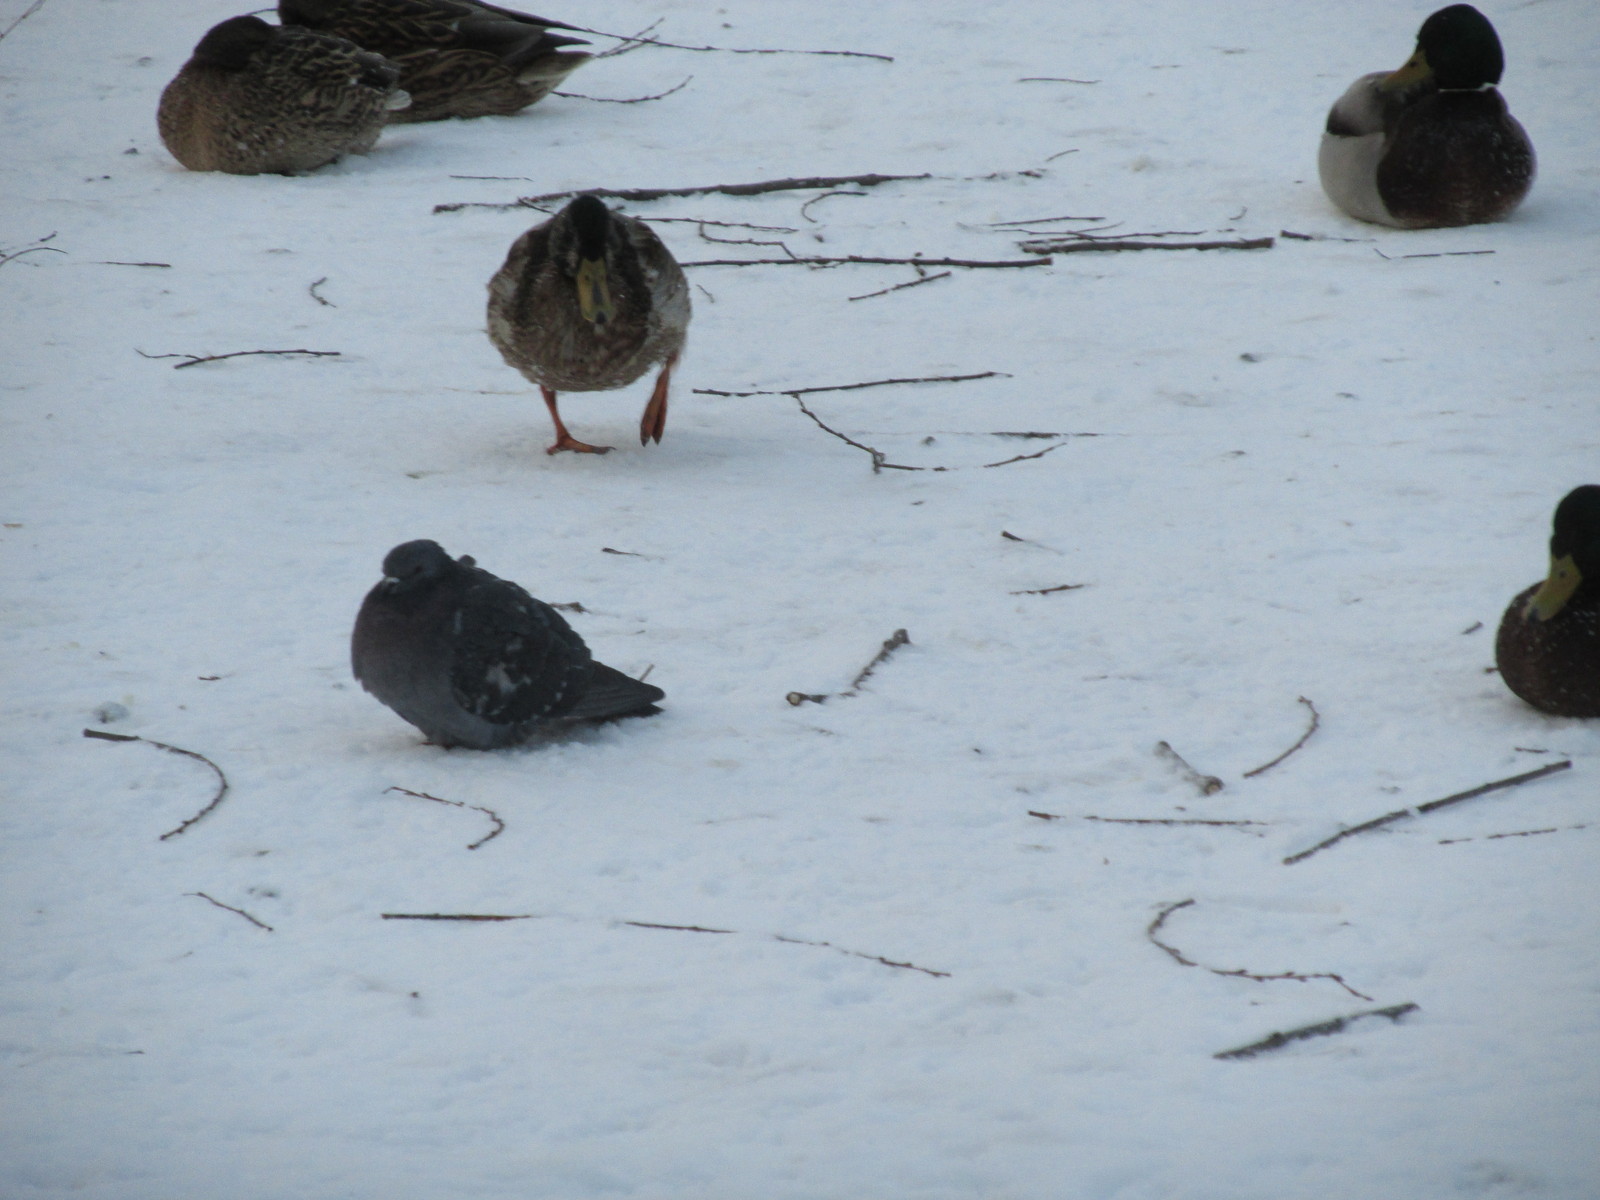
{"points": [[1548, 647], [457, 58], [586, 302], [473, 660], [257, 99], [1433, 143]]}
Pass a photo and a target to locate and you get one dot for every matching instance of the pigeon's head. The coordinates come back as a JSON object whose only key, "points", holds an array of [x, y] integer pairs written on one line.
{"points": [[415, 564]]}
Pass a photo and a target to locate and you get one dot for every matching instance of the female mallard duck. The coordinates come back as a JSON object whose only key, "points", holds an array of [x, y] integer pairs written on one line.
{"points": [[1430, 144], [457, 58], [1548, 647], [258, 98], [589, 301]]}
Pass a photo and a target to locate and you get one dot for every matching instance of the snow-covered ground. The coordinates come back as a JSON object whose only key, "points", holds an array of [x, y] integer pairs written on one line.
{"points": [[1319, 470]]}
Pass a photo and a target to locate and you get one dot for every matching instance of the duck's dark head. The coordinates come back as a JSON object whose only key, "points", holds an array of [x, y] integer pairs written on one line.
{"points": [[1457, 50], [413, 565], [230, 44], [1574, 553], [590, 223]]}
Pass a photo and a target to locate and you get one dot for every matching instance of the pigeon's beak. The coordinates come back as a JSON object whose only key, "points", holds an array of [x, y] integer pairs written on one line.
{"points": [[594, 295]]}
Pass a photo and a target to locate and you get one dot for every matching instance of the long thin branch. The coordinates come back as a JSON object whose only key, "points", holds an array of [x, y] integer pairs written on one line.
{"points": [[1316, 720], [1322, 1029], [196, 359], [222, 780], [900, 287], [232, 909], [894, 641], [1054, 246], [457, 916], [627, 99], [869, 260], [1432, 806], [26, 13], [852, 387], [499, 825], [638, 39], [802, 183], [1239, 972]]}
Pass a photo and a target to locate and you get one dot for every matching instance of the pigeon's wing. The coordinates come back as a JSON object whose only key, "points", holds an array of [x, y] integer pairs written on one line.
{"points": [[612, 694], [516, 658]]}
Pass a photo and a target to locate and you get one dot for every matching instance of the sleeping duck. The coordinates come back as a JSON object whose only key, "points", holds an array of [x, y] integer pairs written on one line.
{"points": [[1433, 143], [1548, 647]]}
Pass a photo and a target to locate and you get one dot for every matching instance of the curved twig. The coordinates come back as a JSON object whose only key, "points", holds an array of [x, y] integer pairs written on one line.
{"points": [[222, 780], [1240, 972], [1316, 719]]}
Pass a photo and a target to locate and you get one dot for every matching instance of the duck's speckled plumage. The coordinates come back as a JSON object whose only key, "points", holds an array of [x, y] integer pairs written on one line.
{"points": [[457, 58], [257, 99], [1548, 646], [1432, 144], [473, 660], [537, 317]]}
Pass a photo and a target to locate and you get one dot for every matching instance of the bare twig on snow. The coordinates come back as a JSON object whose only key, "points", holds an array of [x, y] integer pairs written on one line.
{"points": [[499, 825], [1316, 720], [232, 909], [196, 359], [628, 99], [910, 283], [805, 183], [222, 780], [1432, 806], [457, 916], [638, 39], [1078, 246], [895, 640], [1322, 1029], [1238, 973]]}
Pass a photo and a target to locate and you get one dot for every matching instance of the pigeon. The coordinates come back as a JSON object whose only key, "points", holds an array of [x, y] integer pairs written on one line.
{"points": [[473, 660]]}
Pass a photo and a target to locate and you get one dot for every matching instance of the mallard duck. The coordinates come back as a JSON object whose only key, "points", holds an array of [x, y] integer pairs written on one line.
{"points": [[1431, 144], [589, 301], [1548, 647], [458, 58], [473, 660], [258, 98]]}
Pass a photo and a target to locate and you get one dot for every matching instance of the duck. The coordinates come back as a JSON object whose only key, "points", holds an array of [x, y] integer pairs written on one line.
{"points": [[589, 301], [259, 99], [457, 58], [1432, 144], [1548, 645], [473, 660]]}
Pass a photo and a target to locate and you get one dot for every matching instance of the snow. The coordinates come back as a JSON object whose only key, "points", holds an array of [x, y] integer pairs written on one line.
{"points": [[1318, 471]]}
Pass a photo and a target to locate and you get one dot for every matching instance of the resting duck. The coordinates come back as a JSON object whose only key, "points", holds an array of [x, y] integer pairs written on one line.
{"points": [[257, 99], [1548, 647], [1431, 144], [457, 58], [586, 302], [473, 660]]}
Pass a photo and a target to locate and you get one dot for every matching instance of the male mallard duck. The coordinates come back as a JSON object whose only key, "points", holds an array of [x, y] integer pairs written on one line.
{"points": [[1548, 647], [457, 58], [589, 301], [258, 98], [473, 660], [1430, 144]]}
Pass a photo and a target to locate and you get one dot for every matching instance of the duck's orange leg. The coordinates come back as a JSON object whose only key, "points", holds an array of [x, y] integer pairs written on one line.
{"points": [[654, 422], [564, 440]]}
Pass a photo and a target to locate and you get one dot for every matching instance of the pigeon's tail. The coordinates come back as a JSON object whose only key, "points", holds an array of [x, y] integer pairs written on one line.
{"points": [[613, 694]]}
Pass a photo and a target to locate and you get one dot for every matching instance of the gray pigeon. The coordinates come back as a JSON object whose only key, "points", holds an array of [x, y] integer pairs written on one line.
{"points": [[473, 660]]}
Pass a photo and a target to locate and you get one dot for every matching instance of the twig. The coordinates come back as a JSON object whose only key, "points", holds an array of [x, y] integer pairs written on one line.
{"points": [[5, 258], [1431, 806], [1316, 720], [895, 640], [27, 12], [1318, 237], [1005, 462], [1441, 254], [877, 958], [910, 283], [1049, 246], [1045, 816], [629, 99], [457, 916], [222, 780], [313, 290], [807, 205], [680, 928], [869, 260], [232, 909], [499, 825], [197, 359], [723, 224], [1208, 784], [111, 262], [1494, 837], [1040, 221], [1240, 972], [1060, 587], [851, 387], [638, 39], [1322, 1029], [1053, 79], [805, 183]]}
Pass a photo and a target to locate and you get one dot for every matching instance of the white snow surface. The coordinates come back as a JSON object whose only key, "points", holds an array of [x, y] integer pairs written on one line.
{"points": [[1319, 470]]}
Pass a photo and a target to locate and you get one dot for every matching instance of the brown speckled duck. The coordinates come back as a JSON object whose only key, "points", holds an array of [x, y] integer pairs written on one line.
{"points": [[586, 302], [1433, 143], [1548, 647], [457, 58], [257, 99]]}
